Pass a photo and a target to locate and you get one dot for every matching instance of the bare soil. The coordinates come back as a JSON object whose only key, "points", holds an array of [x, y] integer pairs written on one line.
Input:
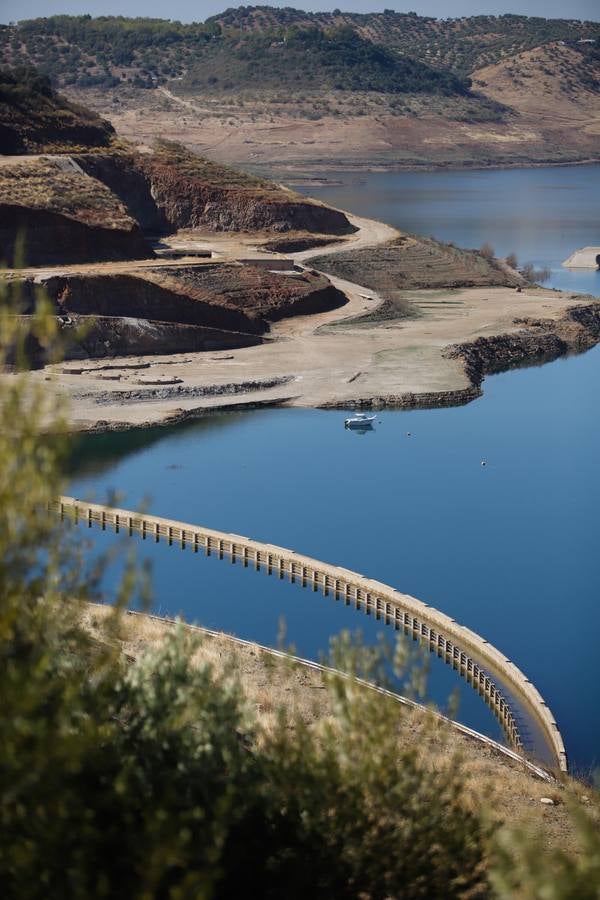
{"points": [[363, 132], [402, 357]]}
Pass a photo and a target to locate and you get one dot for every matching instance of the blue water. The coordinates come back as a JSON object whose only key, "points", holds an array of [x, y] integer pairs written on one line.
{"points": [[509, 549], [542, 215]]}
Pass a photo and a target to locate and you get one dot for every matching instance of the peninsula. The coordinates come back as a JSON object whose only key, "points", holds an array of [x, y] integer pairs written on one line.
{"points": [[203, 287]]}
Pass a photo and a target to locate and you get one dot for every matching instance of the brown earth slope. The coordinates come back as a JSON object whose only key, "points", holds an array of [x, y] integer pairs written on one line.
{"points": [[555, 89], [181, 309], [337, 130], [172, 188], [62, 215], [556, 79]]}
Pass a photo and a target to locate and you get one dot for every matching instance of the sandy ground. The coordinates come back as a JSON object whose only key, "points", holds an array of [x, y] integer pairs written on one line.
{"points": [[278, 137], [509, 791], [316, 359], [323, 359]]}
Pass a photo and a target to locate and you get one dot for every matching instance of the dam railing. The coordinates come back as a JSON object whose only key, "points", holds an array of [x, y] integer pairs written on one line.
{"points": [[471, 655]]}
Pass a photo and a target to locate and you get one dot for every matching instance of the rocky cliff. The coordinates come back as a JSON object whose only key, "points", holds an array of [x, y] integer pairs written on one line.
{"points": [[179, 309], [63, 215], [173, 189]]}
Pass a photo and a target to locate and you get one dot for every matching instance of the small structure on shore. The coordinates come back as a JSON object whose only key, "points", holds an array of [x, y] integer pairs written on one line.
{"points": [[586, 258]]}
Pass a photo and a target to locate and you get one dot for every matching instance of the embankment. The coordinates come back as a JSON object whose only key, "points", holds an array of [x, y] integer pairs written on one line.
{"points": [[183, 309], [172, 189], [541, 341]]}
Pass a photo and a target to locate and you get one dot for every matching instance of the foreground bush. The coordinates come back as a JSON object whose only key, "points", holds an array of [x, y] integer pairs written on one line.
{"points": [[151, 779]]}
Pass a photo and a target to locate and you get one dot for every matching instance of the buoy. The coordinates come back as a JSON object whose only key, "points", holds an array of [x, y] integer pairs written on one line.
{"points": [[483, 462], [408, 434]]}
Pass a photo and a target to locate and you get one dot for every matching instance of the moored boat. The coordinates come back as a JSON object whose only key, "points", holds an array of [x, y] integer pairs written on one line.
{"points": [[359, 420]]}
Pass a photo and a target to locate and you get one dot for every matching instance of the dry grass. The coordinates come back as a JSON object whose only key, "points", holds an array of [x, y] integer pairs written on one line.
{"points": [[55, 186], [267, 682], [505, 790]]}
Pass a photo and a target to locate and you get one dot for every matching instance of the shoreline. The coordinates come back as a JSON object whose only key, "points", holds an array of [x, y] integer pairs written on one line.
{"points": [[433, 356], [408, 401], [366, 168]]}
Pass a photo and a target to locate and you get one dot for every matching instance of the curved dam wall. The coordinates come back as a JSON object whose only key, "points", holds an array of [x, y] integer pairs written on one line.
{"points": [[471, 655]]}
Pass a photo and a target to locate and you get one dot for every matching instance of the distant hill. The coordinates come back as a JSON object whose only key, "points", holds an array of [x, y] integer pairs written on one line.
{"points": [[107, 51], [461, 45], [273, 88], [33, 117], [299, 59], [566, 79]]}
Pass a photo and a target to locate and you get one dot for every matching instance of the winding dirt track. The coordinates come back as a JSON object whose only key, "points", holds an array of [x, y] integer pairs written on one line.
{"points": [[315, 360]]}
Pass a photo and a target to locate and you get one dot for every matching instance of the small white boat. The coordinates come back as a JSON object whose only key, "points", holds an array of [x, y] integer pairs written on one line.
{"points": [[359, 420]]}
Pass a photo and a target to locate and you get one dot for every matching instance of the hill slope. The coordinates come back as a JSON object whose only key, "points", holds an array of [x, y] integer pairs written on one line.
{"points": [[34, 118], [460, 45], [314, 59], [557, 79], [109, 50]]}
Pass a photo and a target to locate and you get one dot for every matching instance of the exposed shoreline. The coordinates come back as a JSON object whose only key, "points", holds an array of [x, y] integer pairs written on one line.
{"points": [[317, 166], [437, 356], [544, 342]]}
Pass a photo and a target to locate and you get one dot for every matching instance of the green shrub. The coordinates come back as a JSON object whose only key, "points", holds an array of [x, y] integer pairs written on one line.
{"points": [[150, 778]]}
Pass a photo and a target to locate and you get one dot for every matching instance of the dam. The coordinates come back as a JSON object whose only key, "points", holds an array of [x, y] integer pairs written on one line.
{"points": [[474, 658]]}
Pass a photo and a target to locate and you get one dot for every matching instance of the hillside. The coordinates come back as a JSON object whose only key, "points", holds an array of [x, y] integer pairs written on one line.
{"points": [[566, 79], [281, 90], [106, 51], [301, 59], [34, 118], [460, 45]]}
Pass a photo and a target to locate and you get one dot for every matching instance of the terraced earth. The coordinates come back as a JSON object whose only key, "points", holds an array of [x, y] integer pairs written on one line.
{"points": [[409, 263]]}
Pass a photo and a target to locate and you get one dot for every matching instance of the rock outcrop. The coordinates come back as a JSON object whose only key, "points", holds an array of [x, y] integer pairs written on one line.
{"points": [[63, 215], [173, 189], [183, 309], [540, 339]]}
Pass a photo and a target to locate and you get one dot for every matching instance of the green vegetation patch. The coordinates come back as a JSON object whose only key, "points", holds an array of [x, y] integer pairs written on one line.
{"points": [[310, 58]]}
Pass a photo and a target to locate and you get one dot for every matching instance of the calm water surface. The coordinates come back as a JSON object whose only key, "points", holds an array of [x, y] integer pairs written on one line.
{"points": [[542, 215], [509, 549]]}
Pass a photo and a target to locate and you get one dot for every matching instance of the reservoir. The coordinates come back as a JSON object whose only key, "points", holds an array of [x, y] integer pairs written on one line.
{"points": [[542, 215], [509, 549]]}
